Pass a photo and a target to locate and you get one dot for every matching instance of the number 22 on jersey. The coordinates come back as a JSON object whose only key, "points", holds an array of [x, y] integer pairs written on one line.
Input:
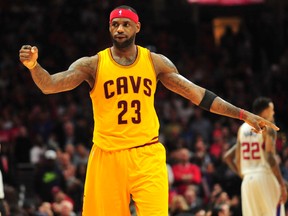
{"points": [[250, 151]]}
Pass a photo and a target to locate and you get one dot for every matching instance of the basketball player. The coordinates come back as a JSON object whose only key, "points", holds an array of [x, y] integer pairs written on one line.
{"points": [[127, 158], [2, 196], [263, 188]]}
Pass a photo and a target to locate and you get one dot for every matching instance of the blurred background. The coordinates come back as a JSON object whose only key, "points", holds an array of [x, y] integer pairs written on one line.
{"points": [[237, 49]]}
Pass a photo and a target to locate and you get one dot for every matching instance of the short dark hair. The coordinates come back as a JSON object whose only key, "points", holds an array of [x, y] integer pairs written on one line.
{"points": [[126, 7], [260, 104]]}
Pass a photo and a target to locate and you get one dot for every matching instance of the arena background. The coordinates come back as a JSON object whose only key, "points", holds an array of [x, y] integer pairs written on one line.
{"points": [[239, 52]]}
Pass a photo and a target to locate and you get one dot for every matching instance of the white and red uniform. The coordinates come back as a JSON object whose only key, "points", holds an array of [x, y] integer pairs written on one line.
{"points": [[260, 189]]}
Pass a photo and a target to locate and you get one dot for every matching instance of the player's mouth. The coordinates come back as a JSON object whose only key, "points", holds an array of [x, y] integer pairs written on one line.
{"points": [[120, 37]]}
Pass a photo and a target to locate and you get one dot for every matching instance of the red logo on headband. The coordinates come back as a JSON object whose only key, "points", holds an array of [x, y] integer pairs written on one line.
{"points": [[124, 13]]}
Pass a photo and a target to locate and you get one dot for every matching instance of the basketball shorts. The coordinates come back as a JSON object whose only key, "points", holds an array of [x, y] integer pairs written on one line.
{"points": [[113, 177], [260, 194]]}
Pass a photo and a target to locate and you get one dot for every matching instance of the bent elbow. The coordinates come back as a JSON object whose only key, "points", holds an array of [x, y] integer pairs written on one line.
{"points": [[226, 158]]}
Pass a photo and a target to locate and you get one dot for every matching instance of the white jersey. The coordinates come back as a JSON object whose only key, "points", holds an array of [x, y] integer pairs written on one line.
{"points": [[252, 152], [260, 190], [1, 188]]}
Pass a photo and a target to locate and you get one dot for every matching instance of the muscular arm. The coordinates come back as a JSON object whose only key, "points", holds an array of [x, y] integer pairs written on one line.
{"points": [[84, 69], [171, 79], [81, 70], [168, 74], [270, 137]]}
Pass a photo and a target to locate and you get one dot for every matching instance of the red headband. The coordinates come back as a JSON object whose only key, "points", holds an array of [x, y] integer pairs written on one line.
{"points": [[124, 13]]}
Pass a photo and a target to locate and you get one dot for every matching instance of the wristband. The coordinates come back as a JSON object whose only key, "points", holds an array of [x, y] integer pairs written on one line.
{"points": [[241, 114], [33, 66], [207, 100]]}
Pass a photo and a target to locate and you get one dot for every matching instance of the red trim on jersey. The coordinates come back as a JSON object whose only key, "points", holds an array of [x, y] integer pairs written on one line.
{"points": [[149, 143]]}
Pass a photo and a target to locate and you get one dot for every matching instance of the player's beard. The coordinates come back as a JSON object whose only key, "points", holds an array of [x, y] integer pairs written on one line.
{"points": [[125, 44]]}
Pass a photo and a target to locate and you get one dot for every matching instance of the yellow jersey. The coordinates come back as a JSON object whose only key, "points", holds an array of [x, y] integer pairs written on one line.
{"points": [[123, 102]]}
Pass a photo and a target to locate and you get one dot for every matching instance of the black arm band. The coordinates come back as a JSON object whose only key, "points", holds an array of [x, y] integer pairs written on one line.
{"points": [[207, 100]]}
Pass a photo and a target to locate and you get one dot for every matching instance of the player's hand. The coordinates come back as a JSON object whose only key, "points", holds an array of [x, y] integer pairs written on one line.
{"points": [[258, 123], [28, 56]]}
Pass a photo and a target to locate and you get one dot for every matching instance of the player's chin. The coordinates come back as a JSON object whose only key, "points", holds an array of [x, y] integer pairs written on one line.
{"points": [[122, 44]]}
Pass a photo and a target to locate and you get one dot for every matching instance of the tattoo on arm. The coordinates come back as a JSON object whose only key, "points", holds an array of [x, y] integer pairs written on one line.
{"points": [[225, 108], [174, 81], [272, 133], [78, 72], [274, 166], [271, 159]]}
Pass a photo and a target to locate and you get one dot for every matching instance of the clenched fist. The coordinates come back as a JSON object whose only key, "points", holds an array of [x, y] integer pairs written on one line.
{"points": [[28, 55]]}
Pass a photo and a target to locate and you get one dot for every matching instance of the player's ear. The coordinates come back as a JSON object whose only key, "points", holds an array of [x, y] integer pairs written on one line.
{"points": [[138, 27]]}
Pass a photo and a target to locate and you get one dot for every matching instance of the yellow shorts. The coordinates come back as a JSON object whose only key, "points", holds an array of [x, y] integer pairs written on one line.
{"points": [[113, 176]]}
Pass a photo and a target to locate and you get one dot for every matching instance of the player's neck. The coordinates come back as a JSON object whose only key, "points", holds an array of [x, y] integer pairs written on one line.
{"points": [[124, 56]]}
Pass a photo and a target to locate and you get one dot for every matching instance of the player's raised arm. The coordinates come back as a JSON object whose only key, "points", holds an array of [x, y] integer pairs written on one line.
{"points": [[81, 70], [168, 74]]}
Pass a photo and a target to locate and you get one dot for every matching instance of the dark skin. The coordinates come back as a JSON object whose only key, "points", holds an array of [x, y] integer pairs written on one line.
{"points": [[270, 138], [124, 52], [269, 135]]}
